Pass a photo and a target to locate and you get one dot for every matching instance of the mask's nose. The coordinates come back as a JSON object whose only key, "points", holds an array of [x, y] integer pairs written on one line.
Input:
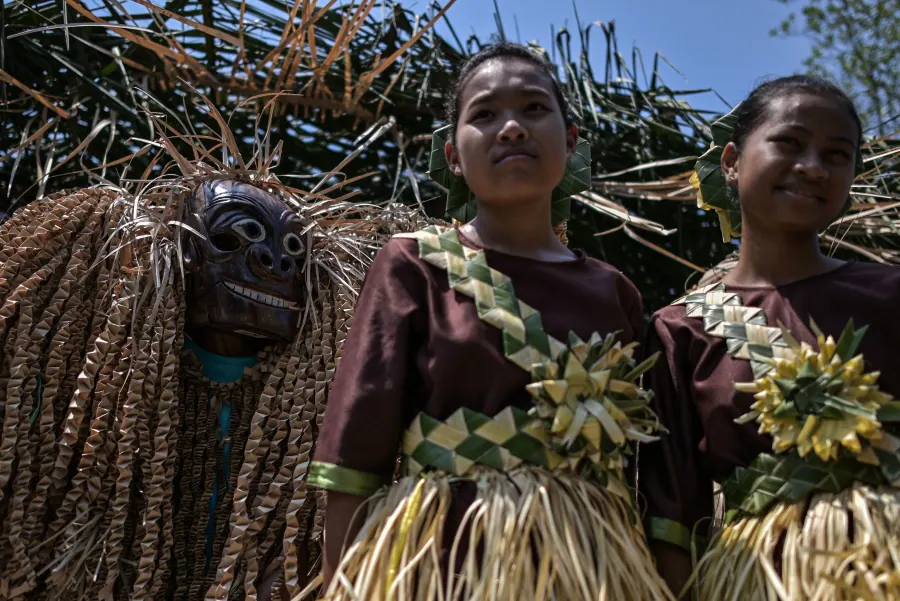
{"points": [[269, 265]]}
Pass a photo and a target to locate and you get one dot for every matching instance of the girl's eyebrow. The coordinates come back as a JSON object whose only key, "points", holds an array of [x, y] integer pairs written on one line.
{"points": [[536, 91], [528, 90], [806, 130]]}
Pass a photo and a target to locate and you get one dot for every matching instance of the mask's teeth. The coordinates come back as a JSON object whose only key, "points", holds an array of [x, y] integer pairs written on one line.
{"points": [[267, 299]]}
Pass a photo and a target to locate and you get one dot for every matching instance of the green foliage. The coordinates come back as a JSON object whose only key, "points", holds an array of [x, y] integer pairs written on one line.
{"points": [[102, 80], [857, 43]]}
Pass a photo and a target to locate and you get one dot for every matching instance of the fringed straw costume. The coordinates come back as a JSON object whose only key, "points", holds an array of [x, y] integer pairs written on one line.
{"points": [[111, 450], [512, 441], [763, 392]]}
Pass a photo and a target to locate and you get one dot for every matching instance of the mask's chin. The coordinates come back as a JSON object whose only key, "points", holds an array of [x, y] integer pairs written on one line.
{"points": [[249, 334], [225, 318]]}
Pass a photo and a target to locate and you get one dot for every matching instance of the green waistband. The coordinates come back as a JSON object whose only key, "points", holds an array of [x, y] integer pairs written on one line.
{"points": [[675, 533], [343, 479], [468, 438], [512, 439], [789, 478]]}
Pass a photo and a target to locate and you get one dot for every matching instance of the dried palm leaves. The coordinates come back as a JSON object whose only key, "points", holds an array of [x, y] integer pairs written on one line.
{"points": [[107, 453], [71, 94], [538, 536], [833, 547]]}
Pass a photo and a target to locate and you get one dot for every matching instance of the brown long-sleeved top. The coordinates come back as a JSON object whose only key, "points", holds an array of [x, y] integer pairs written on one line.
{"points": [[418, 345], [694, 382]]}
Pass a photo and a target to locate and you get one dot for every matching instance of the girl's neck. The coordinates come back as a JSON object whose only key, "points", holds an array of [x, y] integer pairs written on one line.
{"points": [[779, 258], [523, 231]]}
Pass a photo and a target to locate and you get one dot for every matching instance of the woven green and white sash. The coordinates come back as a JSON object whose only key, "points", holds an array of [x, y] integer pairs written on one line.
{"points": [[746, 332], [524, 340], [578, 422], [804, 396]]}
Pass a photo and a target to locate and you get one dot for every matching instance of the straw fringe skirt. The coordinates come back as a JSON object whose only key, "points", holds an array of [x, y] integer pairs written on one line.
{"points": [[529, 535], [832, 547]]}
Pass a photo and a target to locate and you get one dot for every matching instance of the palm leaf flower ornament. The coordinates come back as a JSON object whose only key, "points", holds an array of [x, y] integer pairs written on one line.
{"points": [[593, 404], [828, 492]]}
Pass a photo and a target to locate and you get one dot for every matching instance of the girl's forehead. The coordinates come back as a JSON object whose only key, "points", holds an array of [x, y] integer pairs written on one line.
{"points": [[814, 111], [503, 74]]}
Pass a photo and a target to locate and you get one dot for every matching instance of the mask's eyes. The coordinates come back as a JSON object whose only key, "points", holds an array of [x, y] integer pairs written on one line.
{"points": [[292, 244], [250, 229]]}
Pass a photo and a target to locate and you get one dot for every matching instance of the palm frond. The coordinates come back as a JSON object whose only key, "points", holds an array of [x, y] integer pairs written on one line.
{"points": [[323, 76]]}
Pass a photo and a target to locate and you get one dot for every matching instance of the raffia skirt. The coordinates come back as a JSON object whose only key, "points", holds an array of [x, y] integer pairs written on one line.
{"points": [[527, 534], [830, 547]]}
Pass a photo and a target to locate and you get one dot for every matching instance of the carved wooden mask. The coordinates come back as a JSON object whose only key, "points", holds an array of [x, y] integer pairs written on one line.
{"points": [[246, 278]]}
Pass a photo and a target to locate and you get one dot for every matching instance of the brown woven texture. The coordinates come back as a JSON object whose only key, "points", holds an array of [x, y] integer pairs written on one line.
{"points": [[109, 449]]}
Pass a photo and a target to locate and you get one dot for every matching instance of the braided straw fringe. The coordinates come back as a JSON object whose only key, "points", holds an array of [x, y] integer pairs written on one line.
{"points": [[836, 547], [539, 536]]}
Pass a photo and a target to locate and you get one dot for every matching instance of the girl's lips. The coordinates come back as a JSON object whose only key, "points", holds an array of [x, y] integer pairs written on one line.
{"points": [[519, 156], [799, 194]]}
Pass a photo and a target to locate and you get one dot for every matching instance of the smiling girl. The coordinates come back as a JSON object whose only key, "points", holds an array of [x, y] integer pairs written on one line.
{"points": [[458, 347], [787, 169]]}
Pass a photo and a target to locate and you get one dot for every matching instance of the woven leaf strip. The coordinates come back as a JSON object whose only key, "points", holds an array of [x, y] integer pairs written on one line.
{"points": [[524, 339], [790, 478], [469, 438], [745, 329]]}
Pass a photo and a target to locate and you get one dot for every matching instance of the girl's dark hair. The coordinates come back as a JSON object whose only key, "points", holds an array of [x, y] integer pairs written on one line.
{"points": [[754, 110], [500, 51]]}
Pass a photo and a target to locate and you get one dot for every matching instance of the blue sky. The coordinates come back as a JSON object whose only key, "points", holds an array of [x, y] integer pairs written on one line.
{"points": [[723, 44]]}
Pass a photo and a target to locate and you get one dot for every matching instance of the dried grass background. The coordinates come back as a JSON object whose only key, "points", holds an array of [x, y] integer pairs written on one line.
{"points": [[103, 92], [71, 102], [110, 446]]}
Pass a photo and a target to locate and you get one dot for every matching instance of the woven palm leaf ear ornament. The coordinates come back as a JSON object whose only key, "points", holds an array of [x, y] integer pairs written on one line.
{"points": [[713, 192], [822, 512], [461, 203]]}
